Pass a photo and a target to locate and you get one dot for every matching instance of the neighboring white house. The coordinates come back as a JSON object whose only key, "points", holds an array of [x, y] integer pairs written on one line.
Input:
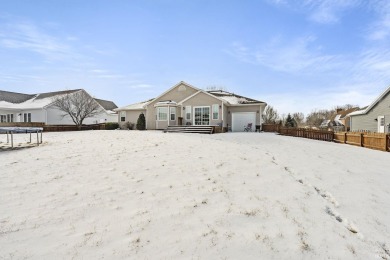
{"points": [[18, 107]]}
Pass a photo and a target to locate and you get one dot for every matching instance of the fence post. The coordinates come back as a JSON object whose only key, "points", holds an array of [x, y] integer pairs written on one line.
{"points": [[361, 139], [386, 142], [345, 137]]}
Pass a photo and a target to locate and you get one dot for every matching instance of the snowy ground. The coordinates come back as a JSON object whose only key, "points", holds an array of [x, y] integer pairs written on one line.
{"points": [[150, 195]]}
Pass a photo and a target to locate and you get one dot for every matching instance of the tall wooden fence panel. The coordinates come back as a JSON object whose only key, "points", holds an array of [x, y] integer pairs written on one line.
{"points": [[376, 141]]}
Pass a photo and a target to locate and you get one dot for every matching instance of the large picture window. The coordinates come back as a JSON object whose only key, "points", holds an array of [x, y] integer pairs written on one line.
{"points": [[162, 113], [172, 113], [215, 112]]}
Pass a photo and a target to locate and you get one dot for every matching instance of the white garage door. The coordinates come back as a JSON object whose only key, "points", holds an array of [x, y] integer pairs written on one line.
{"points": [[241, 119]]}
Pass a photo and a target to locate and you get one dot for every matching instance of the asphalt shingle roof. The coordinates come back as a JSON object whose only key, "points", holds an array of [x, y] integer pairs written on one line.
{"points": [[13, 97]]}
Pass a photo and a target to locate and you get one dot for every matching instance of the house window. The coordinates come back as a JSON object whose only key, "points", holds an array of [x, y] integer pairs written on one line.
{"points": [[172, 113], [10, 117], [162, 113], [215, 112], [188, 112], [123, 116], [3, 118], [382, 121], [27, 117]]}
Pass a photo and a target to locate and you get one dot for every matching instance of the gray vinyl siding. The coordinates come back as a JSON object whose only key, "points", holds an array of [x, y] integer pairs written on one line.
{"points": [[368, 122]]}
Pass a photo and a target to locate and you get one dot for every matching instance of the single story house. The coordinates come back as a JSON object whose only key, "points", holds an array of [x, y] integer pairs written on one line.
{"points": [[184, 104], [374, 118], [18, 107]]}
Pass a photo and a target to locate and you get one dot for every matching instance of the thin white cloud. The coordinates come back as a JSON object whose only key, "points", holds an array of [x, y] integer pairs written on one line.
{"points": [[380, 28], [320, 11], [27, 36], [301, 55]]}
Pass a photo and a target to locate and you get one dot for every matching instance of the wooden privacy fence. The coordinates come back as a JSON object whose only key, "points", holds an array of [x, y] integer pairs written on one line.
{"points": [[61, 128], [307, 133], [378, 141], [271, 127]]}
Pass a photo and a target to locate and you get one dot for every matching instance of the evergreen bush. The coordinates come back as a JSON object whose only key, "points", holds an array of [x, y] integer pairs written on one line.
{"points": [[141, 122]]}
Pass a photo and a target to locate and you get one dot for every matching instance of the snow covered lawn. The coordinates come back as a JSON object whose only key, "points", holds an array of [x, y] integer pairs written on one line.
{"points": [[150, 195]]}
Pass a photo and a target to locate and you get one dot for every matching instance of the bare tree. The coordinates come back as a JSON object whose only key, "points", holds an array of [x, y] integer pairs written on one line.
{"points": [[316, 117], [299, 118], [270, 115], [77, 105]]}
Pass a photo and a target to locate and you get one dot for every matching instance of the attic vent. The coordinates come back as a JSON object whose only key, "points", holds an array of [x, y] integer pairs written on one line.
{"points": [[182, 88]]}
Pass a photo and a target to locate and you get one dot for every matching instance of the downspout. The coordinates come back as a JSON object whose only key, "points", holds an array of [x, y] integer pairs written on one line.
{"points": [[222, 116], [261, 123], [45, 115], [146, 119], [169, 115]]}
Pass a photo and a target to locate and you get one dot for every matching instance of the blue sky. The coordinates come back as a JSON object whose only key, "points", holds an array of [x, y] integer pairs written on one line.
{"points": [[296, 55]]}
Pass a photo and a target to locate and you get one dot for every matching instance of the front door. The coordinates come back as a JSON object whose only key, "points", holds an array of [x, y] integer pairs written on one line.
{"points": [[202, 115], [381, 124]]}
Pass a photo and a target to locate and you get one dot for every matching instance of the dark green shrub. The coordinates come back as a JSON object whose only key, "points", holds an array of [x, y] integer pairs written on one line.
{"points": [[141, 122], [112, 126]]}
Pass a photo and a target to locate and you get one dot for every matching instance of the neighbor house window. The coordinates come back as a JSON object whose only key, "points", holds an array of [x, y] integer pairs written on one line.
{"points": [[10, 117], [27, 117], [188, 112], [123, 116], [172, 113], [3, 118], [215, 112], [162, 113]]}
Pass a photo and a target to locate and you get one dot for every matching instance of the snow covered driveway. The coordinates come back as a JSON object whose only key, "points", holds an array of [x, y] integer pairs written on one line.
{"points": [[150, 195]]}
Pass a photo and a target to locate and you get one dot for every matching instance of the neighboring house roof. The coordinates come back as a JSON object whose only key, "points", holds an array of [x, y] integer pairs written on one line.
{"points": [[13, 100], [373, 104], [56, 93], [13, 97], [234, 99], [106, 104], [345, 113], [331, 123], [135, 106]]}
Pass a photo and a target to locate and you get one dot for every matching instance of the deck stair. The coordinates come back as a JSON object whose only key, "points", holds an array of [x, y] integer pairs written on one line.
{"points": [[198, 129]]}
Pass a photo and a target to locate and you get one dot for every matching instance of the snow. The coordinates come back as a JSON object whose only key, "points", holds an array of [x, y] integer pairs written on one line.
{"points": [[147, 195], [136, 106], [234, 100], [32, 103]]}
